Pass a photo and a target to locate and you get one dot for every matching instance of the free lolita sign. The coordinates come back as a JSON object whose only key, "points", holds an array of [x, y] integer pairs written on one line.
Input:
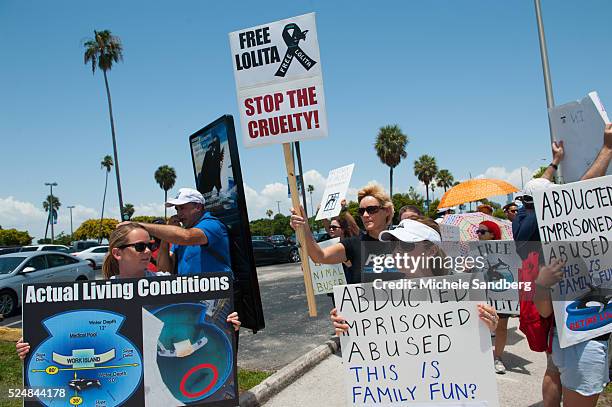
{"points": [[277, 69]]}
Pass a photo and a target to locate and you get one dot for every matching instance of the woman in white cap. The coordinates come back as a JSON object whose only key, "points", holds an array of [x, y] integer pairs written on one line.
{"points": [[421, 236]]}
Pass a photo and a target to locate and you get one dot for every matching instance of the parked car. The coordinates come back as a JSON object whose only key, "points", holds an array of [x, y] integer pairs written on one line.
{"points": [[81, 245], [95, 255], [9, 249], [36, 267], [278, 239], [268, 253], [47, 247]]}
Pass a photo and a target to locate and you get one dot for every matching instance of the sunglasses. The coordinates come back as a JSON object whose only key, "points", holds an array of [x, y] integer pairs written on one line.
{"points": [[482, 231], [511, 210], [334, 227], [140, 246], [369, 209]]}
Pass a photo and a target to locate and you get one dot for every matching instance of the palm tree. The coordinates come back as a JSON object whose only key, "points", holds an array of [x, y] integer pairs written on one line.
{"points": [[444, 179], [425, 169], [55, 204], [390, 147], [310, 190], [269, 213], [128, 210], [165, 176], [107, 163], [102, 51]]}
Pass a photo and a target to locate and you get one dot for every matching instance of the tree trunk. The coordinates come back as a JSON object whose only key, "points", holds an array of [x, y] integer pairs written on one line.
{"points": [[103, 202], [391, 182], [427, 195], [165, 209], [112, 123]]}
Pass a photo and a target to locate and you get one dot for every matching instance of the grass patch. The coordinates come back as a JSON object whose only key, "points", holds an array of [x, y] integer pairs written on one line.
{"points": [[10, 373], [248, 379]]}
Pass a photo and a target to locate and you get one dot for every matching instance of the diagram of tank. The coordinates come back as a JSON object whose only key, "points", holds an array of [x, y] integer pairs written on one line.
{"points": [[86, 355]]}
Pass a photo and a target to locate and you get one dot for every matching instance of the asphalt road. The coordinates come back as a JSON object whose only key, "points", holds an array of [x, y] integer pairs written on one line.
{"points": [[289, 331]]}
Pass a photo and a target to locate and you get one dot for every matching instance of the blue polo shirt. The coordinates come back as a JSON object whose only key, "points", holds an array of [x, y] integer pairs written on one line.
{"points": [[209, 258]]}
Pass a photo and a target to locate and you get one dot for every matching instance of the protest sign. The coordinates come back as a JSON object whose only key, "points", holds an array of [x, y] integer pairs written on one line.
{"points": [[501, 263], [415, 346], [577, 216], [580, 125], [131, 342], [449, 233], [218, 176], [338, 181], [277, 70], [326, 276]]}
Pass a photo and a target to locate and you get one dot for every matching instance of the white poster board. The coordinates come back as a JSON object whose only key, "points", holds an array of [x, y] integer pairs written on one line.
{"points": [[277, 70], [326, 276], [338, 181], [501, 263], [580, 215], [580, 125], [426, 352]]}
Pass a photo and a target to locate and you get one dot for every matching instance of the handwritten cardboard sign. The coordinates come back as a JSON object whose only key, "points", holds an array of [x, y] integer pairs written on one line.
{"points": [[578, 217], [580, 124], [415, 347]]}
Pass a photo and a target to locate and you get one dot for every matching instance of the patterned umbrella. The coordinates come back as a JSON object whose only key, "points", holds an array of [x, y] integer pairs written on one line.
{"points": [[475, 190], [468, 224]]}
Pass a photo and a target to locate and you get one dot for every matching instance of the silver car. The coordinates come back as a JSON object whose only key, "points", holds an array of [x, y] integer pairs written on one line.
{"points": [[17, 269], [95, 255]]}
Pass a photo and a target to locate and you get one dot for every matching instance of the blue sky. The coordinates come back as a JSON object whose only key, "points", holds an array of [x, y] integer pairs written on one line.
{"points": [[463, 80]]}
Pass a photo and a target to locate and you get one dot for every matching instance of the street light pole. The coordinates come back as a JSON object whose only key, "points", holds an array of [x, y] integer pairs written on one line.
{"points": [[278, 205], [71, 232], [51, 185], [550, 100]]}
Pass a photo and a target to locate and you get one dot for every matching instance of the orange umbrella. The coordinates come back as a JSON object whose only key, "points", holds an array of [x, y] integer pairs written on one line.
{"points": [[475, 190]]}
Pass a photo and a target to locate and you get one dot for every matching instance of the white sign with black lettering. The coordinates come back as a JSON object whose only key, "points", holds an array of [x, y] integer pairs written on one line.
{"points": [[326, 276], [580, 124], [277, 69], [338, 181], [579, 217], [415, 347]]}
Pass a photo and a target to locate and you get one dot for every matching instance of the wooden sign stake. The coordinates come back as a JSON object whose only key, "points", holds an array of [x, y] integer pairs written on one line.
{"points": [[295, 201]]}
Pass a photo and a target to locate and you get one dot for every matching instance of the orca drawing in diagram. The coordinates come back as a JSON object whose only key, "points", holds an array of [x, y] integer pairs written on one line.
{"points": [[86, 355]]}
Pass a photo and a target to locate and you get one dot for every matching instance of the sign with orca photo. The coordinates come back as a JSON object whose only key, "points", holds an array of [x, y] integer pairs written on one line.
{"points": [[575, 225], [277, 69], [501, 263], [338, 181], [416, 347]]}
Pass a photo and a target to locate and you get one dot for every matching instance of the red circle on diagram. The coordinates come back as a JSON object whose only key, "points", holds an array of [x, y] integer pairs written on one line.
{"points": [[192, 371]]}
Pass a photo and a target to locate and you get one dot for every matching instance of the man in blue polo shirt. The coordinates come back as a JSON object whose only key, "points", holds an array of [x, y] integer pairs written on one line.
{"points": [[200, 246]]}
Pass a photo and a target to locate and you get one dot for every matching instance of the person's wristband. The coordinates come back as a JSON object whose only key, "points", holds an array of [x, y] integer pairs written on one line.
{"points": [[555, 166]]}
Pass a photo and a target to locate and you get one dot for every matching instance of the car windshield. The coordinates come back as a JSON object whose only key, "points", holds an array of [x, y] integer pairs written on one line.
{"points": [[8, 264]]}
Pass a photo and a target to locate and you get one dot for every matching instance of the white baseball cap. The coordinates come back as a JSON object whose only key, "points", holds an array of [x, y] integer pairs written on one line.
{"points": [[410, 230], [186, 195], [536, 184]]}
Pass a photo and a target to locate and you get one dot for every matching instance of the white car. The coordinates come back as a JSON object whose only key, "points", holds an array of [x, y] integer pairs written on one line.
{"points": [[94, 255], [36, 266], [47, 248]]}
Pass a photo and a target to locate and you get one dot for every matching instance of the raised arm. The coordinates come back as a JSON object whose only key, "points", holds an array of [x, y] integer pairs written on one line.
{"points": [[557, 152], [330, 255]]}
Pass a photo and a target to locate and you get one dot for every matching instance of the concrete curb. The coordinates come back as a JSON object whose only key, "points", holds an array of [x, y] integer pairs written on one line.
{"points": [[287, 375]]}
